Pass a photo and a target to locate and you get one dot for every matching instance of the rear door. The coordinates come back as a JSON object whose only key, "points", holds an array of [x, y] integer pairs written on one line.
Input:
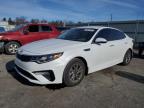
{"points": [[119, 44], [47, 32]]}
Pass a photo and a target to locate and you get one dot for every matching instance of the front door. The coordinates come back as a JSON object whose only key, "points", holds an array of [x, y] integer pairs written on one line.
{"points": [[33, 34]]}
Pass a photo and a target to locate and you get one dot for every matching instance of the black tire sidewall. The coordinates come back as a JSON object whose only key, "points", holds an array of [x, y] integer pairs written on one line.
{"points": [[66, 79], [7, 47]]}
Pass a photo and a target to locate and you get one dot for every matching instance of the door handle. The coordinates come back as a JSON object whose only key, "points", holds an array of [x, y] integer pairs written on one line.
{"points": [[88, 49], [111, 45]]}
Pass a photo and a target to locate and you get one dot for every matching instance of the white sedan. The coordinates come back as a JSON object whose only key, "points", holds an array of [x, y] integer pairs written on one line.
{"points": [[74, 54]]}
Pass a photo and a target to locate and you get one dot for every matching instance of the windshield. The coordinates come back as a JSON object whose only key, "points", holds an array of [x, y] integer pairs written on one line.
{"points": [[17, 28], [78, 34]]}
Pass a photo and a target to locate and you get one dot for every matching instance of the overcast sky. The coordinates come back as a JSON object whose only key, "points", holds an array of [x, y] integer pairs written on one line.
{"points": [[73, 10]]}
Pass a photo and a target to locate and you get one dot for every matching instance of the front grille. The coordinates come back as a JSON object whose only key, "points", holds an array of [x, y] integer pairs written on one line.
{"points": [[24, 58], [25, 73]]}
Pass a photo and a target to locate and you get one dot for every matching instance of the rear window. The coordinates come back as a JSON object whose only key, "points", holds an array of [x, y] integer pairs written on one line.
{"points": [[46, 28]]}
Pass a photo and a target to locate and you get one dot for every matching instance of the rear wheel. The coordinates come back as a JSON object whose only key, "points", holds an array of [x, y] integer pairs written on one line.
{"points": [[74, 72], [11, 47], [127, 58]]}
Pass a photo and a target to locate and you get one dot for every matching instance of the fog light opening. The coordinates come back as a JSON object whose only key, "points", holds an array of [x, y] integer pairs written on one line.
{"points": [[47, 74]]}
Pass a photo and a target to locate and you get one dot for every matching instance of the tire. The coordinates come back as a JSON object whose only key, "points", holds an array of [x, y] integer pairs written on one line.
{"points": [[74, 72], [11, 47], [127, 58]]}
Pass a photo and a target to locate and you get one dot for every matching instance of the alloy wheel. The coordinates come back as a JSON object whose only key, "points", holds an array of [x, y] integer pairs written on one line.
{"points": [[13, 48], [76, 72]]}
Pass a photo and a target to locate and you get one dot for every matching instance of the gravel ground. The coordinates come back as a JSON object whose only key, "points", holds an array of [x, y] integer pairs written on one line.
{"points": [[115, 87]]}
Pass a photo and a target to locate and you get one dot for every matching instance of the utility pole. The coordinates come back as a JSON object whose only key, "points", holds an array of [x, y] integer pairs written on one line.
{"points": [[137, 27], [64, 23], [111, 18]]}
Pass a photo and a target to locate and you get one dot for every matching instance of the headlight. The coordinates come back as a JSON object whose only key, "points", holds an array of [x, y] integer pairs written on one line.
{"points": [[46, 58]]}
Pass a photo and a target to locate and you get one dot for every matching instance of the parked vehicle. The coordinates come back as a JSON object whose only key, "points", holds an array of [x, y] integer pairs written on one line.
{"points": [[63, 29], [74, 54], [10, 41], [140, 47], [2, 29]]}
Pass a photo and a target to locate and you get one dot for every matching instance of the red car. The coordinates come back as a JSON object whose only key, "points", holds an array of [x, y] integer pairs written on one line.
{"points": [[10, 41]]}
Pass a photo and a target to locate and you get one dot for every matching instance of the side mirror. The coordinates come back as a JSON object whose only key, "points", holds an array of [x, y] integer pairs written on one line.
{"points": [[100, 40], [25, 32]]}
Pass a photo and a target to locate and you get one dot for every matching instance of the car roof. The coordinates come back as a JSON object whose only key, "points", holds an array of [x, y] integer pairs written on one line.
{"points": [[95, 27], [39, 24]]}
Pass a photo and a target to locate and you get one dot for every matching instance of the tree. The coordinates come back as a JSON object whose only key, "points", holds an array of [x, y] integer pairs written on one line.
{"points": [[4, 19], [10, 21], [57, 23], [20, 20], [44, 21], [34, 21]]}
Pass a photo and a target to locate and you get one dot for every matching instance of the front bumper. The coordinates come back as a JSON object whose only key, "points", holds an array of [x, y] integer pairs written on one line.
{"points": [[34, 72], [1, 47]]}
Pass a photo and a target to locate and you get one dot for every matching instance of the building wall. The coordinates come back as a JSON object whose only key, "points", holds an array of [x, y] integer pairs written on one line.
{"points": [[6, 25]]}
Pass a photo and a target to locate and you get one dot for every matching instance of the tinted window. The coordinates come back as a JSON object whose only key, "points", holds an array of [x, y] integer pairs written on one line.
{"points": [[46, 28], [111, 34], [79, 34], [33, 28], [62, 28], [105, 33], [117, 35]]}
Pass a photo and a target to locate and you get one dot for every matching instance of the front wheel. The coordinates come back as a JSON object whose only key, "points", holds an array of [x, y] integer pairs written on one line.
{"points": [[74, 72], [127, 58], [11, 47]]}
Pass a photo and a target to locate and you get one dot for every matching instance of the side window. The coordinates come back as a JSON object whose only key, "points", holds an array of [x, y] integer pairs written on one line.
{"points": [[33, 28], [105, 33], [46, 29], [111, 34], [117, 35]]}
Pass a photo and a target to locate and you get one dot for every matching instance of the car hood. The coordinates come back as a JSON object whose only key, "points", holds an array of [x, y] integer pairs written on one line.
{"points": [[48, 46]]}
